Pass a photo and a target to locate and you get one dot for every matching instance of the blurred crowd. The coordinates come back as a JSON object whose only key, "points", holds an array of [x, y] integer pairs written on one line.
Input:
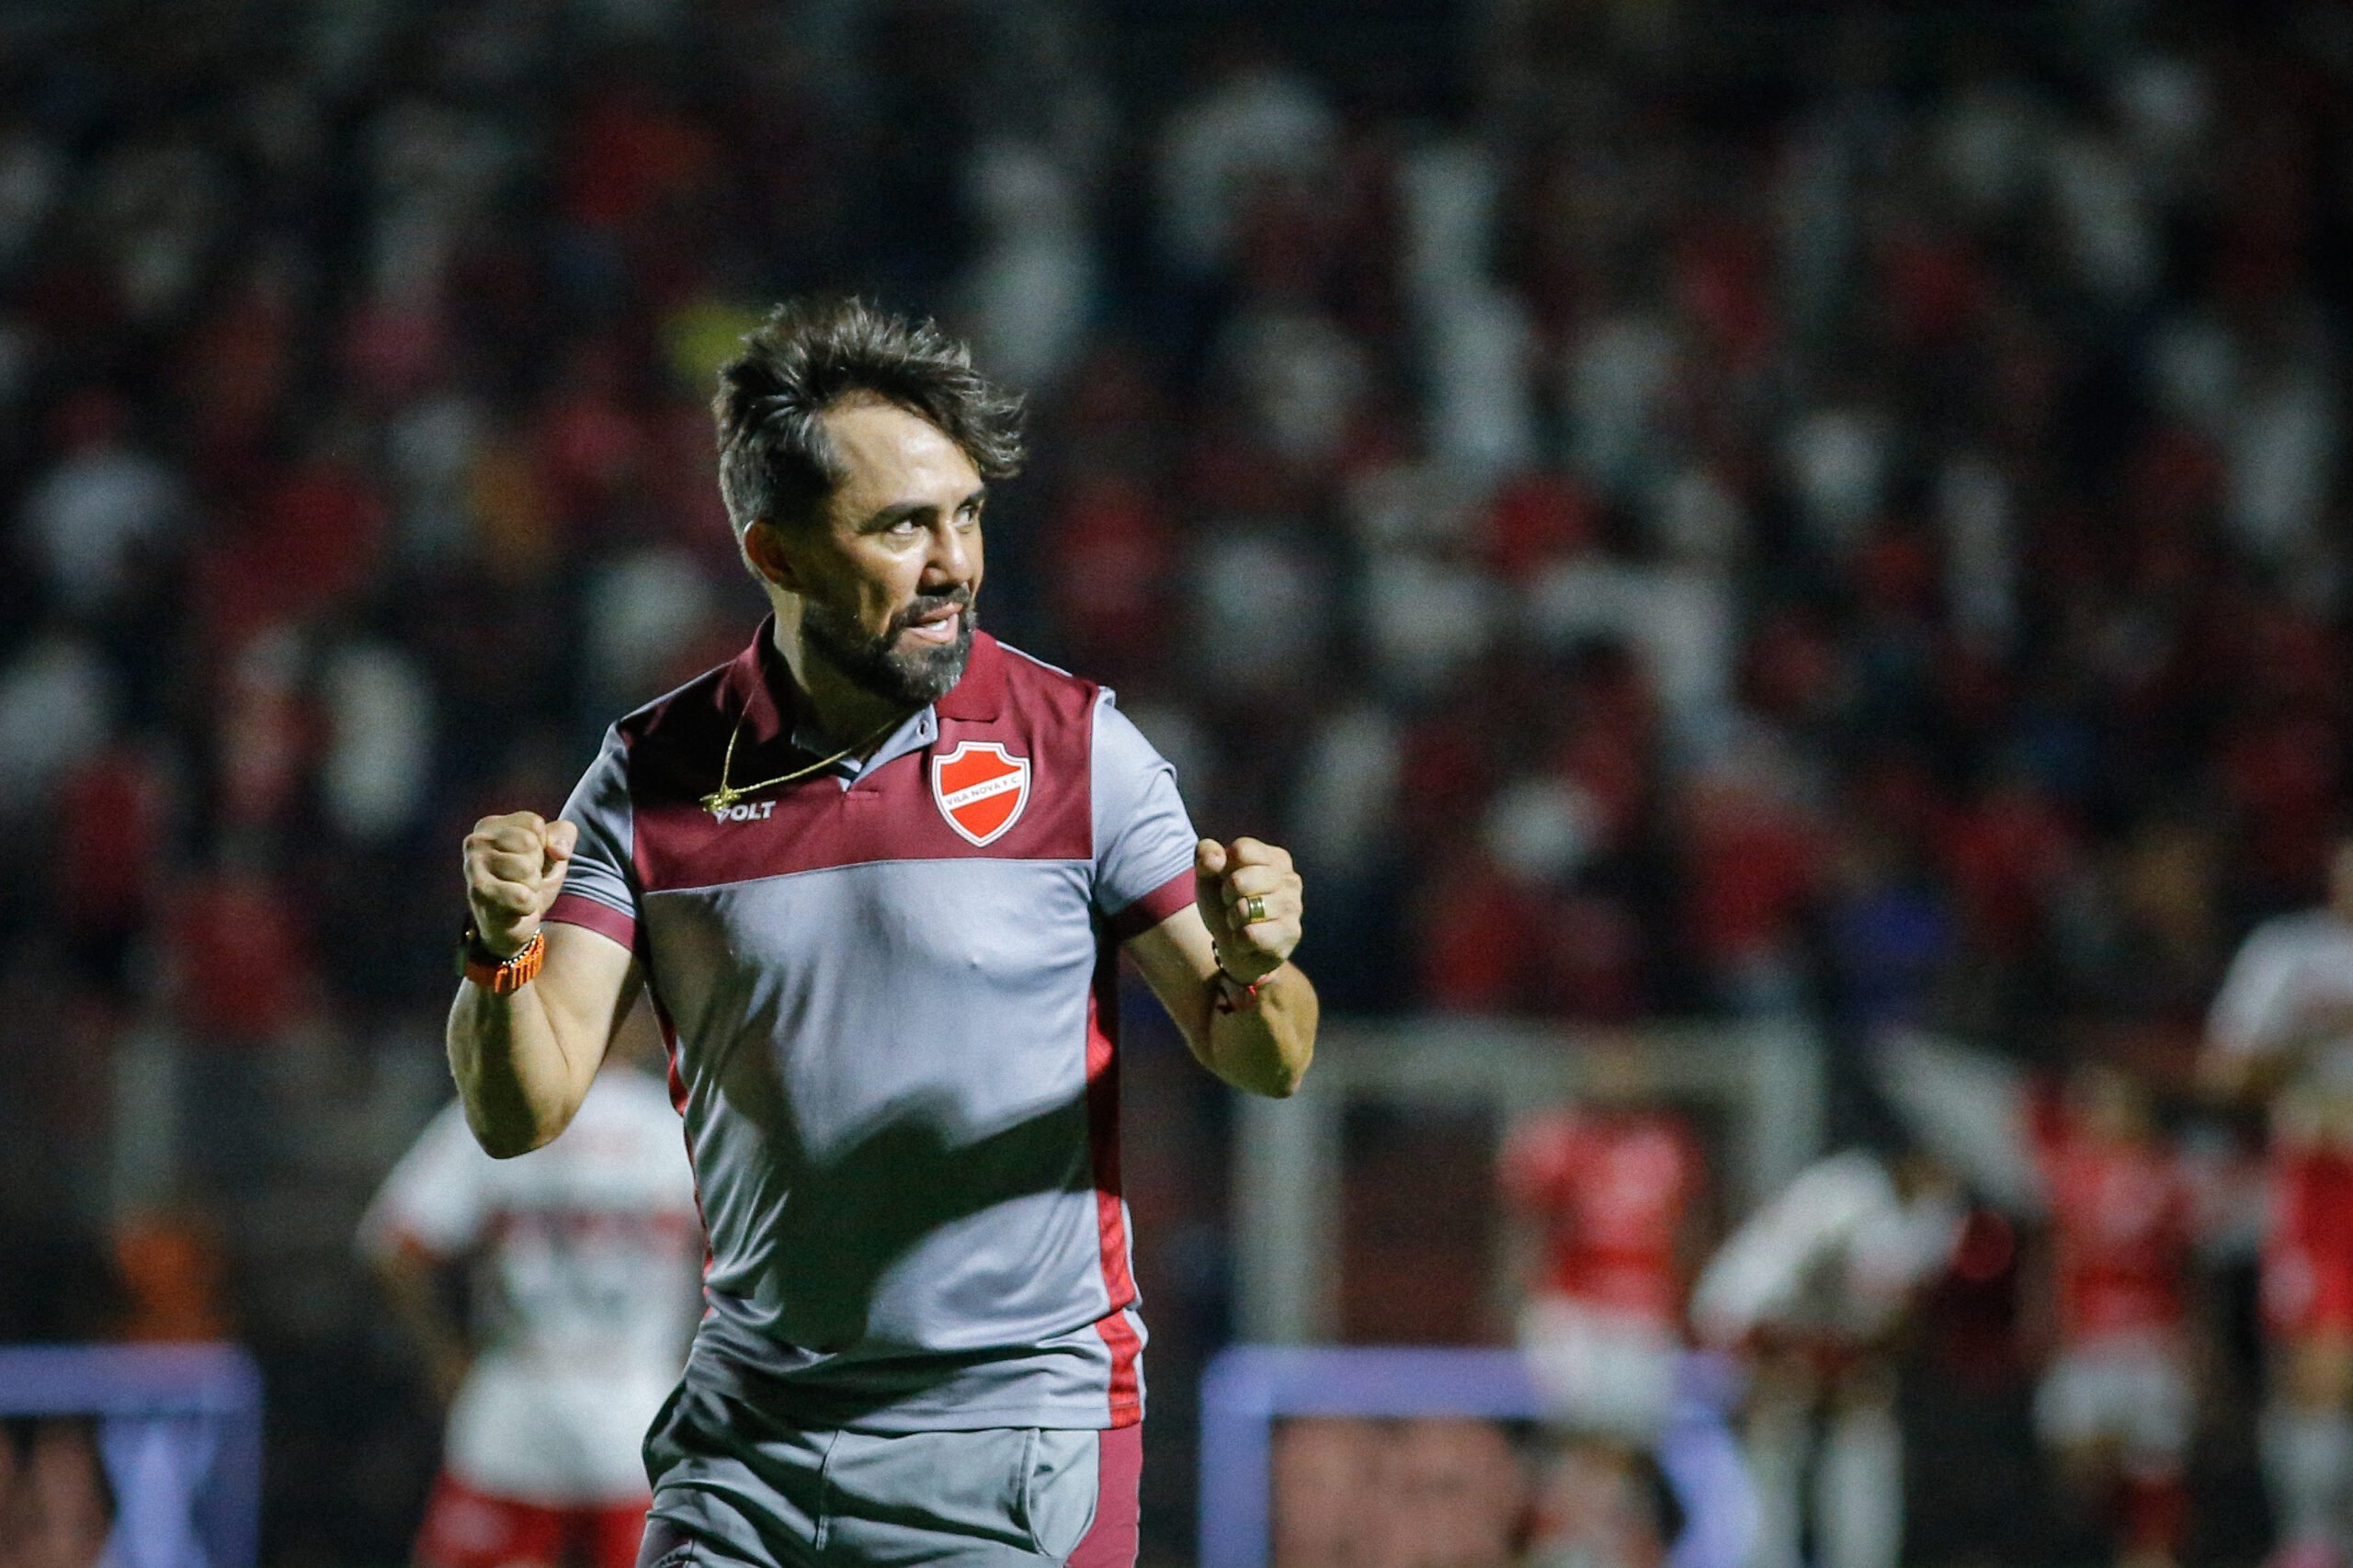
{"points": [[1667, 511]]}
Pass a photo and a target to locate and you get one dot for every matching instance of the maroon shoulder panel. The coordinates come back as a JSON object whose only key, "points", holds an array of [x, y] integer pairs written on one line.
{"points": [[1012, 731]]}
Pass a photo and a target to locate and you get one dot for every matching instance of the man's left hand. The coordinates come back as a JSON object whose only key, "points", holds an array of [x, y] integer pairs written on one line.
{"points": [[1253, 941]]}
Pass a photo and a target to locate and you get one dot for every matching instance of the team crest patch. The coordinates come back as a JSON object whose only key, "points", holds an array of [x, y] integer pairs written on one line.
{"points": [[980, 788]]}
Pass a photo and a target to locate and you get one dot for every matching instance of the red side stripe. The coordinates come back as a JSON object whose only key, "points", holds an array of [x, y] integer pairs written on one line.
{"points": [[1111, 1540], [1120, 1335]]}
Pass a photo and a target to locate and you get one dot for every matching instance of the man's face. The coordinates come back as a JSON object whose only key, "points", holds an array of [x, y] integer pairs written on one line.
{"points": [[889, 574]]}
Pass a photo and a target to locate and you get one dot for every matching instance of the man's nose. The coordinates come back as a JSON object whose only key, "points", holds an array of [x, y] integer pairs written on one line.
{"points": [[951, 559]]}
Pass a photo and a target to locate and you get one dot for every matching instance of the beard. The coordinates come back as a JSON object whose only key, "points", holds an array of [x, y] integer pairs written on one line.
{"points": [[875, 664]]}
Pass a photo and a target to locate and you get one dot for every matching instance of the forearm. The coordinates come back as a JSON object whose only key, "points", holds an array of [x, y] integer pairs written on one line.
{"points": [[1245, 907], [519, 1083], [1265, 1048], [524, 1058]]}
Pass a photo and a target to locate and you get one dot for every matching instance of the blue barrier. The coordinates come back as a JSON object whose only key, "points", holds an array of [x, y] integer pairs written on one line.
{"points": [[1248, 1387], [179, 1432]]}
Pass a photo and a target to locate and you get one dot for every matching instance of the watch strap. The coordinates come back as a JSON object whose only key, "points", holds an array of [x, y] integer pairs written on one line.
{"points": [[498, 975]]}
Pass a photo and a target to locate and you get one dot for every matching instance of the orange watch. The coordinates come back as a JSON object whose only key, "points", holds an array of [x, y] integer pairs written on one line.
{"points": [[501, 975]]}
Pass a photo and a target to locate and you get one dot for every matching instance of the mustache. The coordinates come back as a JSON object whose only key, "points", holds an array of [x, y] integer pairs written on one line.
{"points": [[923, 605]]}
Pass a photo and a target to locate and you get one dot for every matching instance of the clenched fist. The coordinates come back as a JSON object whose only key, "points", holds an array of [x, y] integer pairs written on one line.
{"points": [[514, 869], [1225, 879]]}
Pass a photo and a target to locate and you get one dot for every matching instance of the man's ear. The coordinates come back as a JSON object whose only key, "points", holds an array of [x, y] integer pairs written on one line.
{"points": [[764, 547]]}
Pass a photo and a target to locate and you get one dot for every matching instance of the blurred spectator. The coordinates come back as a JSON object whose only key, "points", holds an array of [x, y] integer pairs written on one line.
{"points": [[1030, 292], [378, 761], [1255, 126], [1755, 857], [114, 815], [103, 501], [56, 702]]}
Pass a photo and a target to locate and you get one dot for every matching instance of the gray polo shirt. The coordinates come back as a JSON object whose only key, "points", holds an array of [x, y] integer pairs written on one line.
{"points": [[888, 996]]}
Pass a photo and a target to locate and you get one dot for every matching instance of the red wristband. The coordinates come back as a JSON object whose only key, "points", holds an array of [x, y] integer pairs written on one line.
{"points": [[1235, 995]]}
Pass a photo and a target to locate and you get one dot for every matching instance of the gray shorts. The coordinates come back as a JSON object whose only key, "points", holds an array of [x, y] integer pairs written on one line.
{"points": [[735, 1489]]}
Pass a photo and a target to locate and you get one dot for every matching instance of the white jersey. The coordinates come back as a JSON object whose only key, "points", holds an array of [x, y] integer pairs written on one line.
{"points": [[2291, 971], [586, 1295], [1837, 1255]]}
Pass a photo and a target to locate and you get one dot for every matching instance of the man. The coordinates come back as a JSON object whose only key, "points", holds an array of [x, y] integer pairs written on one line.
{"points": [[586, 1254], [1814, 1289], [876, 874], [2115, 1406], [1605, 1192], [2282, 1032]]}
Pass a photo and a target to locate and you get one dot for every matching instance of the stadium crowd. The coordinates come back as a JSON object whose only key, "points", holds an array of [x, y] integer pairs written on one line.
{"points": [[1668, 512]]}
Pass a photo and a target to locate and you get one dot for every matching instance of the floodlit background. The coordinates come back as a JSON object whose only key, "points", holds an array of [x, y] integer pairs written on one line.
{"points": [[1824, 516]]}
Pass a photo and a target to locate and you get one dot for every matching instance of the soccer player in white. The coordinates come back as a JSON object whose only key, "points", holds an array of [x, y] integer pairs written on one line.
{"points": [[1815, 1289], [585, 1255], [2281, 1032]]}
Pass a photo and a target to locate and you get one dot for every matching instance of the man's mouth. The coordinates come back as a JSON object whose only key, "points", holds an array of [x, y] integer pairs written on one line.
{"points": [[939, 626]]}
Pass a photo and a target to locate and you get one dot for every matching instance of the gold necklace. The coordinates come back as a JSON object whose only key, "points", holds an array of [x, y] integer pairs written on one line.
{"points": [[726, 795]]}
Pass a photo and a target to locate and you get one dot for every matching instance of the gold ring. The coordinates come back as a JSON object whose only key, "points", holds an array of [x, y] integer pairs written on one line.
{"points": [[1253, 909]]}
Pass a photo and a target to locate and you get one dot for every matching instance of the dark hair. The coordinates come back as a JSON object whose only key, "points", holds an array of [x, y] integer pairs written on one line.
{"points": [[775, 460]]}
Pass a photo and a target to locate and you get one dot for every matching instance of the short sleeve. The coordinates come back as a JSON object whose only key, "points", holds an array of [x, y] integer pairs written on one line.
{"points": [[1759, 1275], [599, 889], [1144, 840], [434, 1200]]}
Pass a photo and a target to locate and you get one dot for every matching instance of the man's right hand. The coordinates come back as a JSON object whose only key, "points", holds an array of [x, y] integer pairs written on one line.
{"points": [[514, 868]]}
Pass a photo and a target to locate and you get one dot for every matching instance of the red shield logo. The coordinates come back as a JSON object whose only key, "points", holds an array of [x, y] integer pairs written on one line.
{"points": [[980, 788]]}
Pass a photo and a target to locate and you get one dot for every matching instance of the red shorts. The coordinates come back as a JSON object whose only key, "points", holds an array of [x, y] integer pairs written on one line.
{"points": [[2308, 1251], [465, 1528]]}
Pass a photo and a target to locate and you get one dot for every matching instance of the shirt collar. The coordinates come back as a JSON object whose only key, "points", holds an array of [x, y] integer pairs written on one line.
{"points": [[762, 687], [981, 694], [771, 703]]}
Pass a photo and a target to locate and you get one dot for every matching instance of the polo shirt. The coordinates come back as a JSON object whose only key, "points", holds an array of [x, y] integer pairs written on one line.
{"points": [[889, 995]]}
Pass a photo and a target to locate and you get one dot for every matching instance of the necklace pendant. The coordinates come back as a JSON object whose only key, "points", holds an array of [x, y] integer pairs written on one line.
{"points": [[719, 800]]}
